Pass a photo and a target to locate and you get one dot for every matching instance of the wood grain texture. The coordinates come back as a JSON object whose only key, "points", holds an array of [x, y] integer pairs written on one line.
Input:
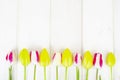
{"points": [[98, 31]]}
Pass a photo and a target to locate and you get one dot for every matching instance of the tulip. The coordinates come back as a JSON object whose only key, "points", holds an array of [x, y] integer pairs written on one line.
{"points": [[11, 59], [77, 62], [34, 58], [67, 60], [44, 60], [97, 62], [24, 57], [56, 61], [110, 61], [87, 62]]}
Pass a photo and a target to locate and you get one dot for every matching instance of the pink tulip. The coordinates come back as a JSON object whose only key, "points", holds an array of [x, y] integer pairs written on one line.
{"points": [[98, 61], [34, 57], [77, 59], [56, 59], [10, 57], [77, 62]]}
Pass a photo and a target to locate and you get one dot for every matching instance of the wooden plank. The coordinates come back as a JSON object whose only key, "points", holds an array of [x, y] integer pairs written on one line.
{"points": [[8, 21], [116, 74], [34, 23], [33, 31], [66, 30], [98, 31]]}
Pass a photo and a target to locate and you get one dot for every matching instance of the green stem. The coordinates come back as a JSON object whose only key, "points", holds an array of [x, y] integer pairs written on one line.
{"points": [[24, 72], [100, 77], [97, 74], [87, 74], [34, 72], [66, 72], [56, 72], [44, 72], [111, 72], [10, 73], [77, 73]]}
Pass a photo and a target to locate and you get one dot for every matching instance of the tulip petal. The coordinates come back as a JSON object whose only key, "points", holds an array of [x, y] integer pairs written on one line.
{"points": [[37, 56], [76, 58], [87, 60], [24, 57], [11, 57], [6, 57], [94, 60], [101, 60], [54, 56], [44, 57], [30, 55], [110, 60], [97, 60], [56, 59], [67, 58]]}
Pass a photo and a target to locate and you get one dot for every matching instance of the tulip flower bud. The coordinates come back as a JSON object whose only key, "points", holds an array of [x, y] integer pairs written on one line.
{"points": [[24, 57], [67, 58], [56, 59], [87, 60], [11, 58], [98, 61], [110, 60], [77, 59], [44, 57], [34, 57]]}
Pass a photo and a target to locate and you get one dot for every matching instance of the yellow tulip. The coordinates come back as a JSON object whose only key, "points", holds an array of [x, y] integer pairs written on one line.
{"points": [[24, 57], [44, 60], [87, 61], [110, 60], [44, 57], [67, 58]]}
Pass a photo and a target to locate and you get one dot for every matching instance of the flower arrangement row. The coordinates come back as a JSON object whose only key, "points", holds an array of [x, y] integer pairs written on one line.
{"points": [[66, 58]]}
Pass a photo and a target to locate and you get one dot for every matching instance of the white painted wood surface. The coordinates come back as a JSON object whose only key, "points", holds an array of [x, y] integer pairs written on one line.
{"points": [[66, 30], [98, 31], [117, 39], [56, 25], [33, 31], [8, 22]]}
